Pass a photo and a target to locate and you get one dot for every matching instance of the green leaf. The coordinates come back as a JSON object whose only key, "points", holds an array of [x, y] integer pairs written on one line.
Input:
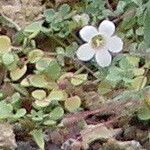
{"points": [[19, 37], [72, 103], [140, 31], [8, 59], [53, 71], [129, 20], [5, 110], [39, 94], [138, 71], [139, 82], [78, 79], [128, 62], [35, 55], [147, 26], [15, 100], [38, 136], [49, 15], [34, 27], [57, 95], [38, 81], [138, 2], [71, 49], [43, 64], [104, 87], [18, 73], [20, 113], [5, 44], [37, 116], [64, 9], [115, 75], [57, 113], [144, 113], [49, 122], [41, 103], [22, 90]]}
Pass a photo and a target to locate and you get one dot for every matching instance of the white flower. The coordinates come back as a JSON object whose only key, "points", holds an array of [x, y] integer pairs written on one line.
{"points": [[99, 43]]}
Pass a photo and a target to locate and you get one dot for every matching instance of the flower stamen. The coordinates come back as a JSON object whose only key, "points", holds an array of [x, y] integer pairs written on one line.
{"points": [[97, 41]]}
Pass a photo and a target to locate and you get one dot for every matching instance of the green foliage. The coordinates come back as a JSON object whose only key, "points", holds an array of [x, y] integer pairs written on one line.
{"points": [[57, 95], [57, 113], [17, 73], [38, 136], [78, 79], [6, 112], [144, 113], [127, 74], [73, 103], [35, 55], [147, 26], [5, 45], [39, 94], [49, 67]]}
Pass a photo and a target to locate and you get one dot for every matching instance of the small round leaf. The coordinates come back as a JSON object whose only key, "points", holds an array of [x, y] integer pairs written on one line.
{"points": [[39, 94], [78, 79], [35, 55], [144, 113], [5, 44], [8, 59], [73, 103], [38, 81], [41, 103], [17, 73], [57, 113], [57, 95]]}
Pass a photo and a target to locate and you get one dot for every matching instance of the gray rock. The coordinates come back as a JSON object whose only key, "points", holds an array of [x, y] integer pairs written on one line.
{"points": [[7, 137]]}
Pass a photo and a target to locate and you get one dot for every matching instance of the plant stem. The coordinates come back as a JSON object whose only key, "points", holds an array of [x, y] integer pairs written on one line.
{"points": [[59, 42], [85, 67], [51, 4], [79, 70], [51, 53], [141, 84], [108, 5], [76, 38], [16, 26]]}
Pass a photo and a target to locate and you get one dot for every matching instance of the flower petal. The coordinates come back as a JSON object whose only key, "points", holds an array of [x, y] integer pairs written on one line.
{"points": [[88, 32], [85, 52], [107, 28], [115, 44], [103, 58]]}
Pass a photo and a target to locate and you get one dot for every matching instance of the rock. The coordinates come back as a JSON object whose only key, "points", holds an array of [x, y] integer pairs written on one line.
{"points": [[7, 137], [141, 135], [113, 144], [22, 12], [93, 100], [129, 133], [57, 137], [25, 146], [71, 144]]}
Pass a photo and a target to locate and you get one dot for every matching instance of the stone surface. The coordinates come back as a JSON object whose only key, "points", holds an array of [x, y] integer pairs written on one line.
{"points": [[7, 137], [22, 12]]}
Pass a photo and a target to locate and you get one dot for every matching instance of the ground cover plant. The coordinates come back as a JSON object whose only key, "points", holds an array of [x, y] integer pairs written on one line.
{"points": [[75, 74]]}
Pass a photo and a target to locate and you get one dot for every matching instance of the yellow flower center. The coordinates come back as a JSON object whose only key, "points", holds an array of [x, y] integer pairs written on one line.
{"points": [[97, 41]]}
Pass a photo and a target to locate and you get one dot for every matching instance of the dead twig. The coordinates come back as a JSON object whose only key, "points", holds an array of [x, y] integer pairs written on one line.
{"points": [[119, 108]]}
